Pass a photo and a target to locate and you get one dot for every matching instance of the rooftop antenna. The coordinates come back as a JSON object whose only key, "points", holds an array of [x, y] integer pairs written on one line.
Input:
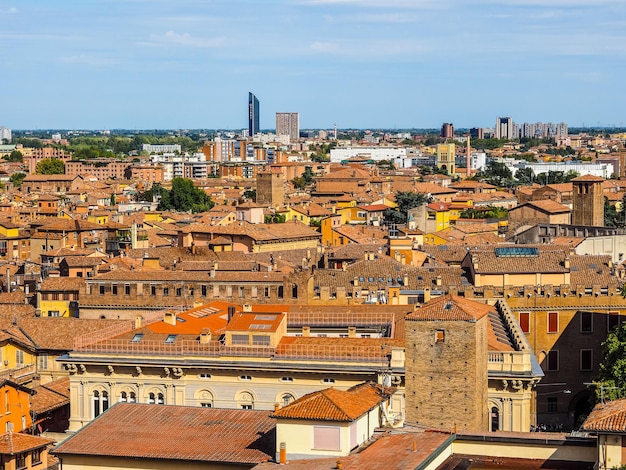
{"points": [[468, 158], [335, 131]]}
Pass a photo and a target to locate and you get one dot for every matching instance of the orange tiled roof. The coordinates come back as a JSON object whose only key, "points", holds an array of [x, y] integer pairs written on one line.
{"points": [[15, 442], [450, 308], [51, 396], [334, 405], [175, 433], [608, 417]]}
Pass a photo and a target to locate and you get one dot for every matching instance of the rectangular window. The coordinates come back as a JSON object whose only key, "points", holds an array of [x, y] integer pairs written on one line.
{"points": [[179, 291], [19, 358], [241, 293], [42, 361], [586, 322], [267, 292], [203, 291], [101, 289], [240, 340], [260, 340], [553, 360], [524, 321], [586, 359], [440, 336], [166, 291], [552, 405], [152, 290], [20, 461], [553, 322], [35, 456], [613, 320], [114, 289], [326, 437], [126, 289]]}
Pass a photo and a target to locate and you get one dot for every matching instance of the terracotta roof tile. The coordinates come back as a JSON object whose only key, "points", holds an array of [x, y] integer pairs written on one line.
{"points": [[607, 417], [176, 433], [51, 396], [450, 308], [334, 405], [15, 442]]}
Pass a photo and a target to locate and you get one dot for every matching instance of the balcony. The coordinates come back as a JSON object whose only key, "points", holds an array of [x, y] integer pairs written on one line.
{"points": [[509, 363]]}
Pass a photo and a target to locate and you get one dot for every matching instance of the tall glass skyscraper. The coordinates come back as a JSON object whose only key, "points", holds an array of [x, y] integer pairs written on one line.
{"points": [[253, 115]]}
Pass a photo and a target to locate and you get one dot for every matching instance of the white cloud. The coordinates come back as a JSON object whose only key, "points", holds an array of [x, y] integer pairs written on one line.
{"points": [[380, 3], [186, 39], [85, 59], [13, 10]]}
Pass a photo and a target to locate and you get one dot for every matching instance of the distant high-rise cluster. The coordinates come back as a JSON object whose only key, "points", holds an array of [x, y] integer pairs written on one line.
{"points": [[288, 124], [253, 115], [542, 130], [507, 129]]}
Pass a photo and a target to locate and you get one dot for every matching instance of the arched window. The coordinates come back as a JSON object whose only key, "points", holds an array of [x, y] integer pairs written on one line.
{"points": [[495, 418], [246, 401], [105, 401], [287, 398], [128, 397], [96, 403], [160, 399], [205, 399], [99, 402]]}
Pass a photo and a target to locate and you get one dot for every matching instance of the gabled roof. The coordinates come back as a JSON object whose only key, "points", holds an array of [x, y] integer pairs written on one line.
{"points": [[334, 405], [450, 308], [608, 417], [175, 433], [12, 443]]}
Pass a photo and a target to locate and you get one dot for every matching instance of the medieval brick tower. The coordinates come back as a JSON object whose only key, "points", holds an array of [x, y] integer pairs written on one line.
{"points": [[588, 201], [270, 188], [446, 365]]}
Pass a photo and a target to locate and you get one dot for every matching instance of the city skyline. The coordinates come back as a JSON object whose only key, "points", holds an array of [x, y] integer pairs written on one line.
{"points": [[358, 63]]}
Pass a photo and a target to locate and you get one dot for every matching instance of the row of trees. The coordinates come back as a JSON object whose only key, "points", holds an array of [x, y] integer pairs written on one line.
{"points": [[499, 174]]}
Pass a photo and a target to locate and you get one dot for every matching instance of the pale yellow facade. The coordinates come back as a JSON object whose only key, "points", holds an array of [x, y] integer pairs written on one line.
{"points": [[298, 436]]}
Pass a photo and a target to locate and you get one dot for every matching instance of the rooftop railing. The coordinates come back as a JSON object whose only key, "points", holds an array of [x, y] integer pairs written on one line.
{"points": [[336, 353]]}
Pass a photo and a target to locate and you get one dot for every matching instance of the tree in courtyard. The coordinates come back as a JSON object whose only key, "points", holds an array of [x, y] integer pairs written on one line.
{"points": [[185, 197], [611, 381], [405, 200], [50, 166], [17, 178], [15, 156]]}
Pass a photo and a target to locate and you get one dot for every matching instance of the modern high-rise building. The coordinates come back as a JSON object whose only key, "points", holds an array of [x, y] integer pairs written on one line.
{"points": [[447, 130], [288, 124], [253, 115], [5, 134], [505, 128]]}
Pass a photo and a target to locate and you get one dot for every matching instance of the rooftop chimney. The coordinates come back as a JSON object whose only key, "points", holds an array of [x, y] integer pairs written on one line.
{"points": [[170, 318], [205, 335], [138, 321], [247, 308]]}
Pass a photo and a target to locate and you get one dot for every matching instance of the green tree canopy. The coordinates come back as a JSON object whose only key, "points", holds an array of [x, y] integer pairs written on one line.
{"points": [[612, 375], [525, 175], [406, 200], [50, 166], [185, 197], [17, 178], [15, 156]]}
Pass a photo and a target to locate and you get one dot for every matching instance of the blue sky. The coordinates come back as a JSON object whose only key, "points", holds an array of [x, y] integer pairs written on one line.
{"points": [[141, 64]]}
